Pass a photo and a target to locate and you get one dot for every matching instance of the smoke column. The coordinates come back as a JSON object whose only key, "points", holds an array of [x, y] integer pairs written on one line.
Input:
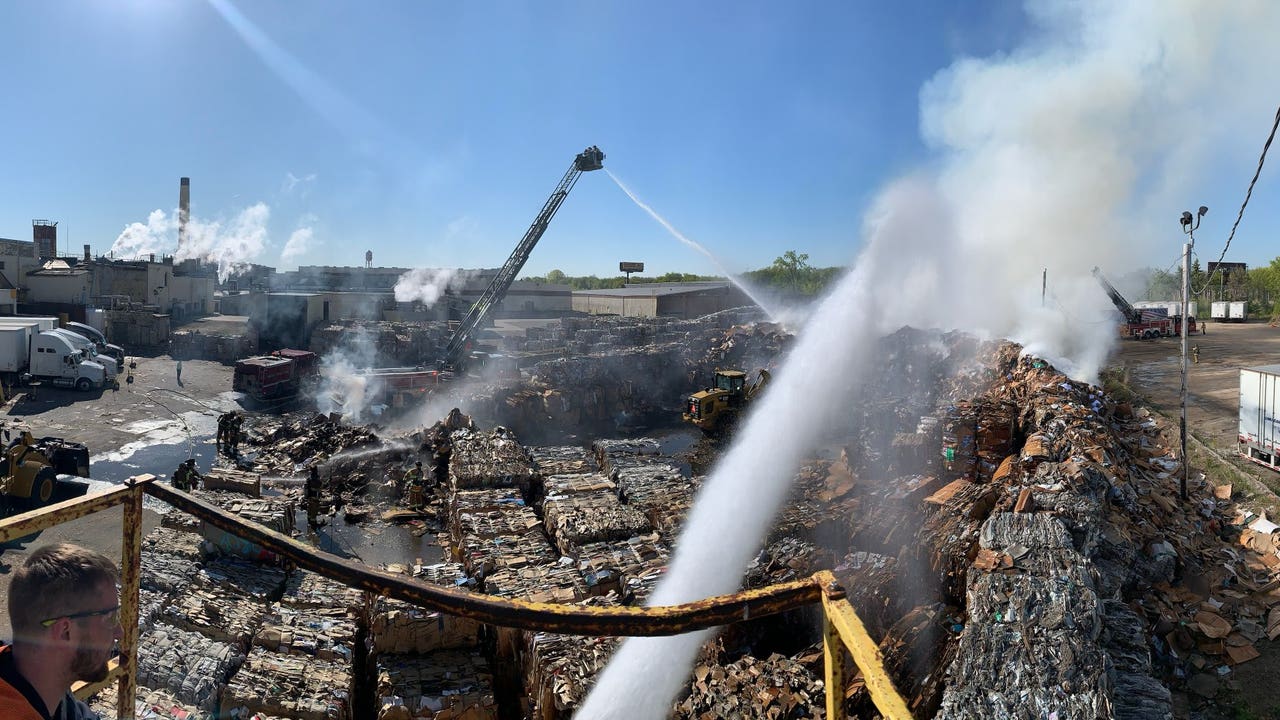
{"points": [[1075, 149]]}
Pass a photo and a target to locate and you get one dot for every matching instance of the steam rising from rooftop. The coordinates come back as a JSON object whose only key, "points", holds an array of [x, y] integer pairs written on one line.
{"points": [[426, 285]]}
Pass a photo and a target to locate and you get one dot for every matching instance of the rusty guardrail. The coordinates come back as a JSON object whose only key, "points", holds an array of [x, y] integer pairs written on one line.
{"points": [[841, 626]]}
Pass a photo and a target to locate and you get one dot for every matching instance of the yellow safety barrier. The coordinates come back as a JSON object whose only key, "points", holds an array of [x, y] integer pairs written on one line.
{"points": [[841, 626]]}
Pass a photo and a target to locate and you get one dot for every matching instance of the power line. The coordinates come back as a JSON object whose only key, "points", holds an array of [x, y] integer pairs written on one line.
{"points": [[1249, 193]]}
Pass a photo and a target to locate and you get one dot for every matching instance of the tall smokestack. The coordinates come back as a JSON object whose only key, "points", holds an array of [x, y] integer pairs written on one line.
{"points": [[184, 210], [86, 254]]}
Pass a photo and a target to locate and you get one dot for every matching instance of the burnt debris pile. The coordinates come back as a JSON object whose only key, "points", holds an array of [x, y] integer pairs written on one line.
{"points": [[1014, 539]]}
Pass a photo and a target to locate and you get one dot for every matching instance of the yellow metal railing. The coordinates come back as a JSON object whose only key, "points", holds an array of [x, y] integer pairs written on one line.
{"points": [[841, 627]]}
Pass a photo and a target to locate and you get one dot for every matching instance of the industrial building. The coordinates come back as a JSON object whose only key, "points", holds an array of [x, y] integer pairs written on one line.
{"points": [[679, 300]]}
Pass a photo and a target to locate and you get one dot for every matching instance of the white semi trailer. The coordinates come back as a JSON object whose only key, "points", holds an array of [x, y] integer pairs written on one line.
{"points": [[1260, 414]]}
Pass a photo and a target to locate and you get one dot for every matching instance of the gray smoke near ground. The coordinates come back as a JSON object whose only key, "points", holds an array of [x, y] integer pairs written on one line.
{"points": [[426, 285], [343, 388], [1072, 150]]}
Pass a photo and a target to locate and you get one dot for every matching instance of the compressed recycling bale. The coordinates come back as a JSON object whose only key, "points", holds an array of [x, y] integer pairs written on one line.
{"points": [[562, 460], [148, 705], [400, 627], [448, 684], [552, 583], [187, 664], [182, 522], [275, 513], [476, 518], [238, 481], [507, 551], [324, 633], [562, 669], [226, 600], [555, 486], [786, 560], [306, 589], [260, 582], [291, 686], [651, 483], [166, 573], [489, 459], [775, 687], [150, 604], [177, 543], [631, 567], [574, 520], [615, 454]]}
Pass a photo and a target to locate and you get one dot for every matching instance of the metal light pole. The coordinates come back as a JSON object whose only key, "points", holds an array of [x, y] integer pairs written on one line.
{"points": [[1189, 225]]}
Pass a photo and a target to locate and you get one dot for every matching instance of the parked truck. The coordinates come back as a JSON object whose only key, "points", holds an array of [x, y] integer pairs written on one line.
{"points": [[1147, 319], [1260, 415], [99, 341], [26, 353], [278, 376], [50, 324]]}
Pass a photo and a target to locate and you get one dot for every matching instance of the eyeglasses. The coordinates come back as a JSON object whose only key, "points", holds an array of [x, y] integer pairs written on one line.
{"points": [[110, 613]]}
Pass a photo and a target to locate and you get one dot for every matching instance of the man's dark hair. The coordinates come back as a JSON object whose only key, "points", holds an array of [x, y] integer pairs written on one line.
{"points": [[53, 582]]}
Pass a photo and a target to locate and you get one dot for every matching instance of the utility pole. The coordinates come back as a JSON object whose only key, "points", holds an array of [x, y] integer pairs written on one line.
{"points": [[1189, 225], [1044, 284]]}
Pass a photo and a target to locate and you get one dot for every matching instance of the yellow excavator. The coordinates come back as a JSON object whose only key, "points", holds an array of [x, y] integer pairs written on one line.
{"points": [[29, 470], [716, 408]]}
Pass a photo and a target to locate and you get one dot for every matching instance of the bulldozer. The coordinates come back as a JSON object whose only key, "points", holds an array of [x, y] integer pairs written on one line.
{"points": [[29, 470], [717, 408]]}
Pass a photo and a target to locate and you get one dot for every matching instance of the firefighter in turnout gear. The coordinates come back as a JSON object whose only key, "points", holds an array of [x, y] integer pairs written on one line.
{"points": [[413, 485], [311, 493]]}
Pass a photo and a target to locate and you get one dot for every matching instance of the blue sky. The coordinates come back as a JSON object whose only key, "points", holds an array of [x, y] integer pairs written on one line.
{"points": [[432, 133]]}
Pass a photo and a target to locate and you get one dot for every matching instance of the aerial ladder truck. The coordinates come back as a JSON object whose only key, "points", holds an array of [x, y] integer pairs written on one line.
{"points": [[590, 159], [1142, 323]]}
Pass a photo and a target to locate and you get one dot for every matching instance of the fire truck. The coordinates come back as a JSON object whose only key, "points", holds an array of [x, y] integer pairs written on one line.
{"points": [[278, 376], [1145, 323]]}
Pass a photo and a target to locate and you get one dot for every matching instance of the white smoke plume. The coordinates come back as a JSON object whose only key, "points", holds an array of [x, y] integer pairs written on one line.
{"points": [[299, 244], [231, 247], [344, 389], [1075, 149], [426, 285]]}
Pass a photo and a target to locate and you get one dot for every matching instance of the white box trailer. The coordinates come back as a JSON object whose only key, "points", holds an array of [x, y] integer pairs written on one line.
{"points": [[1218, 311], [1260, 415], [14, 343], [1238, 311]]}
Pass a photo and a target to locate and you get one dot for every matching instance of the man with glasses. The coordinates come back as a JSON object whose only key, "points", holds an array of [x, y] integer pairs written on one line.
{"points": [[64, 608]]}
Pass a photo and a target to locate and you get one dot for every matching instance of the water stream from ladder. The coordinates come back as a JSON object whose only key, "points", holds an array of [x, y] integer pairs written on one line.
{"points": [[696, 246], [735, 508]]}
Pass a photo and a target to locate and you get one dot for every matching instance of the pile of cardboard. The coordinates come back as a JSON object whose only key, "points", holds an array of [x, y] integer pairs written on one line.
{"points": [[174, 543], [558, 486], [306, 589], [785, 560], [188, 664], [165, 573], [773, 687], [557, 582], [291, 686], [285, 445], [399, 627], [577, 519], [507, 551], [446, 685], [562, 460], [631, 568], [147, 705], [561, 669], [274, 513], [324, 633], [489, 459]]}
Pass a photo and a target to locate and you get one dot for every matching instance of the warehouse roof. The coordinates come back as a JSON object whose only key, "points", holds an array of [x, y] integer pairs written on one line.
{"points": [[655, 289]]}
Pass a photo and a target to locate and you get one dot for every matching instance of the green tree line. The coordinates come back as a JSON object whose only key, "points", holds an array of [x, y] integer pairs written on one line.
{"points": [[789, 275], [1260, 287]]}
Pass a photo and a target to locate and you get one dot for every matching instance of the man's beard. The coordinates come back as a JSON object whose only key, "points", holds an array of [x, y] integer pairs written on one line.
{"points": [[87, 667]]}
